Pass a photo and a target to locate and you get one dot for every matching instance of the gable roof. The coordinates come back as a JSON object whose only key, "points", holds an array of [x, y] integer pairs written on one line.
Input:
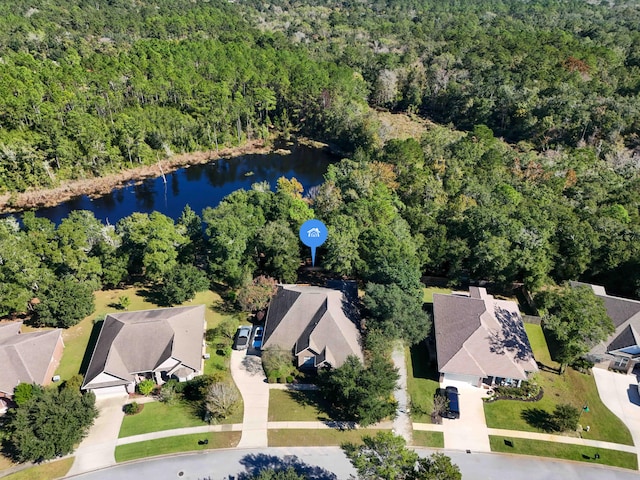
{"points": [[137, 342], [25, 357], [479, 335], [625, 315], [308, 317]]}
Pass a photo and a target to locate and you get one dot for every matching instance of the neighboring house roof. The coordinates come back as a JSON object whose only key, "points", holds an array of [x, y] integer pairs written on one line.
{"points": [[625, 315], [478, 335], [314, 318], [146, 341], [25, 357]]}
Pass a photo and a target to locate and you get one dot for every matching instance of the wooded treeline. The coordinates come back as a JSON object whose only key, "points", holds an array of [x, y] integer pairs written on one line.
{"points": [[465, 205], [87, 88]]}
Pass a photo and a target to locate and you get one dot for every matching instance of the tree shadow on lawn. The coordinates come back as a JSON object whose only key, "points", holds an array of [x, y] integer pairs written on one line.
{"points": [[538, 418], [152, 295], [255, 463], [91, 345], [312, 398]]}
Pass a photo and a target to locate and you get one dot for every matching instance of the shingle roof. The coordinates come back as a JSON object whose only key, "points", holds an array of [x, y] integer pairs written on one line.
{"points": [[311, 317], [25, 357], [136, 342], [481, 336]]}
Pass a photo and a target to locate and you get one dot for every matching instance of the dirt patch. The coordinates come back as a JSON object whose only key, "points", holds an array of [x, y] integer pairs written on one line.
{"points": [[95, 187]]}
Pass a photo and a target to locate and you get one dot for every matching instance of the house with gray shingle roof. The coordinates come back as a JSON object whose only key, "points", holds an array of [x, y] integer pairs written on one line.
{"points": [[480, 339], [316, 323], [158, 344], [27, 357], [621, 350]]}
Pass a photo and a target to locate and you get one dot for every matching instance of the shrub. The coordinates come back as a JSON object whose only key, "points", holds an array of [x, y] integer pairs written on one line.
{"points": [[289, 379], [277, 362], [132, 408], [168, 392], [282, 380], [145, 387], [271, 379], [565, 417], [221, 400]]}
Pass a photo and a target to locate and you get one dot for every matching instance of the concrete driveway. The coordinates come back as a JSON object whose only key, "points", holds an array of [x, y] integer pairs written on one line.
{"points": [[469, 432], [98, 447], [619, 393], [247, 373]]}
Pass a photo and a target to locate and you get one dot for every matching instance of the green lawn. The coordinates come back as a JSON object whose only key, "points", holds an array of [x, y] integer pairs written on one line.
{"points": [[295, 406], [316, 437], [427, 293], [158, 416], [181, 443], [422, 382], [46, 471], [572, 387], [80, 339], [565, 451], [423, 438]]}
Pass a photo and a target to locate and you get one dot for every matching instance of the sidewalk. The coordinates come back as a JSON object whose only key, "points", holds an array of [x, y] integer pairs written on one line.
{"points": [[547, 437], [229, 427]]}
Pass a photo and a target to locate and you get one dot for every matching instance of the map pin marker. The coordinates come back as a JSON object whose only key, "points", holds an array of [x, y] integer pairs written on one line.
{"points": [[313, 233]]}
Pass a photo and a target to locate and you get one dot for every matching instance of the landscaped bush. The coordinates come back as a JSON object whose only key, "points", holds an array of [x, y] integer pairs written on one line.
{"points": [[132, 408], [526, 391], [282, 380], [583, 365], [278, 363], [272, 379], [145, 387], [289, 379], [168, 393]]}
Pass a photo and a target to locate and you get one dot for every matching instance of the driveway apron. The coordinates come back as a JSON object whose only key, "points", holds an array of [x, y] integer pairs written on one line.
{"points": [[249, 377], [619, 393], [98, 447]]}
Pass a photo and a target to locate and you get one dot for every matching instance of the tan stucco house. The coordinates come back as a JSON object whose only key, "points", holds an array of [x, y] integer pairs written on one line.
{"points": [[157, 344]]}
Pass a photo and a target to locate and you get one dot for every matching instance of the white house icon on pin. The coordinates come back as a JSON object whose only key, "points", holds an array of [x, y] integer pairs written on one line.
{"points": [[313, 233]]}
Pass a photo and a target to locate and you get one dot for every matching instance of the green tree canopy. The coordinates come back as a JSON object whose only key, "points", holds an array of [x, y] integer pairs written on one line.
{"points": [[49, 424], [577, 318], [65, 302]]}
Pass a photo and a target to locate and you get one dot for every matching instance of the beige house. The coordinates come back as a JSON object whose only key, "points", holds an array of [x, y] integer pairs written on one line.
{"points": [[480, 339], [157, 344], [27, 357], [317, 323]]}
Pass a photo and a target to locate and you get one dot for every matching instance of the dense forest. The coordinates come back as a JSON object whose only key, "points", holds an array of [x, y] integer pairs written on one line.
{"points": [[534, 179], [88, 88]]}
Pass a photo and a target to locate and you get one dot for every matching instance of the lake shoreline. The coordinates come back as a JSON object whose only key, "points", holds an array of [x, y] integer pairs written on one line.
{"points": [[98, 186]]}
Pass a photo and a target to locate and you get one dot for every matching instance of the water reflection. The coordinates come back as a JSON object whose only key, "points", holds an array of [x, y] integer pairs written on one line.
{"points": [[199, 186]]}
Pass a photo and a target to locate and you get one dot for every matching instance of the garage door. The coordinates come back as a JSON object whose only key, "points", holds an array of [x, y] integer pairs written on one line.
{"points": [[105, 392], [452, 378]]}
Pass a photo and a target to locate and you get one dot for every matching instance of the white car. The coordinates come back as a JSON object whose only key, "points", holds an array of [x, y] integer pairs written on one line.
{"points": [[242, 338]]}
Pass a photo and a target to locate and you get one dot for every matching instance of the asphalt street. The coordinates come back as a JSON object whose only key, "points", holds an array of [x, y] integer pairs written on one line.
{"points": [[329, 463]]}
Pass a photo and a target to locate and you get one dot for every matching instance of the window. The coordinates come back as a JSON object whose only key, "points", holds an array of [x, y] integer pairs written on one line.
{"points": [[621, 363]]}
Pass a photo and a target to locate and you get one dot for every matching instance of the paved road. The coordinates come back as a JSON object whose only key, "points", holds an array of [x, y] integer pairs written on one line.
{"points": [[329, 463]]}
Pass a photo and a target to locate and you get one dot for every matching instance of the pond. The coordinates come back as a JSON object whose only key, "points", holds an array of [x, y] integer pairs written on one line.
{"points": [[199, 186]]}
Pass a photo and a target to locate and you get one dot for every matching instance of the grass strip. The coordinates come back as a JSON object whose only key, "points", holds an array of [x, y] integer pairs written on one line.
{"points": [[46, 471], [566, 451], [422, 438], [319, 437], [181, 443]]}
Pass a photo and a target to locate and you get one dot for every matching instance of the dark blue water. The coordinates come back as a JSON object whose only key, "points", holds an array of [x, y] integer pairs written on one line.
{"points": [[199, 186]]}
